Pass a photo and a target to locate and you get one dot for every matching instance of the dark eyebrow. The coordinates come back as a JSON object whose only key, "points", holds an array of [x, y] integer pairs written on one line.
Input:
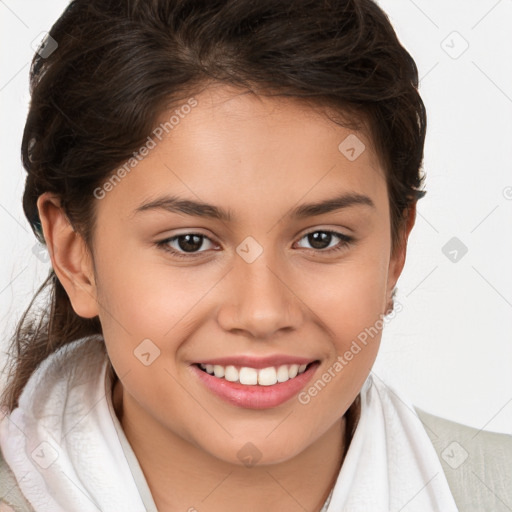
{"points": [[329, 205], [200, 209], [178, 205]]}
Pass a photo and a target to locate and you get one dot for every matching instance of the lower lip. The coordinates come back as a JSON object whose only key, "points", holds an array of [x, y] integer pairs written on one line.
{"points": [[255, 397]]}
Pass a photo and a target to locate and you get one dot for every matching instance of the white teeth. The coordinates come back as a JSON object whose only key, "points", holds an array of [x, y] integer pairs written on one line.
{"points": [[252, 376], [231, 374], [267, 376], [219, 371], [294, 369], [282, 373], [248, 376]]}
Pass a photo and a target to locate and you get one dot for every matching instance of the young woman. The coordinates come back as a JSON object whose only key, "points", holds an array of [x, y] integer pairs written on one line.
{"points": [[226, 190]]}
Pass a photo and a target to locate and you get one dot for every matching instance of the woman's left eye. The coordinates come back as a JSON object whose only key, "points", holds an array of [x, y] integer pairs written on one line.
{"points": [[187, 244], [321, 240]]}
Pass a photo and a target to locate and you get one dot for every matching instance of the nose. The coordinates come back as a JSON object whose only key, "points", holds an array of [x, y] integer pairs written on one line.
{"points": [[260, 302]]}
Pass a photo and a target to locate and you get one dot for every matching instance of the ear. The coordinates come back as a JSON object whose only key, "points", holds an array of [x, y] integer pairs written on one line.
{"points": [[70, 257], [397, 260]]}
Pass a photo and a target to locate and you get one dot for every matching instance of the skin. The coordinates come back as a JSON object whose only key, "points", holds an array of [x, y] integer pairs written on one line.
{"points": [[259, 157]]}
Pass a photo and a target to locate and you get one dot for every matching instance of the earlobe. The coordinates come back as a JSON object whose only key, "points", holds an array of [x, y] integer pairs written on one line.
{"points": [[70, 258]]}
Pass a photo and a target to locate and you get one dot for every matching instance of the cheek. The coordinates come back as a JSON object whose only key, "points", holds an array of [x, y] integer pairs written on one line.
{"points": [[350, 296], [148, 297], [349, 303], [350, 310]]}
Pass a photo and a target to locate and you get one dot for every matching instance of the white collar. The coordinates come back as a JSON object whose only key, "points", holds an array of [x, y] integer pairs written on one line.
{"points": [[67, 449]]}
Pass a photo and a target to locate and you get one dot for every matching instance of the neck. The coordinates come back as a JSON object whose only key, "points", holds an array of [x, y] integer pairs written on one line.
{"points": [[181, 476]]}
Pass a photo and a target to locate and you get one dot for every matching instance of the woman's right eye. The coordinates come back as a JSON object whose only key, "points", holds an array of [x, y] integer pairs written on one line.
{"points": [[185, 245]]}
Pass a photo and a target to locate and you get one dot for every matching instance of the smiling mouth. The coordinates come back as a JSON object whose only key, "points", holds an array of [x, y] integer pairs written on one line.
{"points": [[248, 376]]}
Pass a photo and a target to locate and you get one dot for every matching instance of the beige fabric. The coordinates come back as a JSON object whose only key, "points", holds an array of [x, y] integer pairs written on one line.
{"points": [[477, 464], [11, 499]]}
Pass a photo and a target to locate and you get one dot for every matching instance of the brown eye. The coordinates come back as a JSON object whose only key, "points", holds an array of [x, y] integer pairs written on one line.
{"points": [[190, 243], [186, 244], [321, 240]]}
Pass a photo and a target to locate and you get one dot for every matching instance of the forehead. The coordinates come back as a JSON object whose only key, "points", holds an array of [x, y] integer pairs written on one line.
{"points": [[246, 150]]}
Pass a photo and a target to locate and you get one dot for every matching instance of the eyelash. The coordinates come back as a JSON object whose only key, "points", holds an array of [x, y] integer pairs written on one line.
{"points": [[346, 241]]}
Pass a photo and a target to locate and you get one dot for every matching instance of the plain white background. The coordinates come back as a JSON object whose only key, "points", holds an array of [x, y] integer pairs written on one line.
{"points": [[450, 348]]}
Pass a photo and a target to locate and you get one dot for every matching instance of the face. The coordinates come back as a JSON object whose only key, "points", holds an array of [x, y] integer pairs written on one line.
{"points": [[257, 281]]}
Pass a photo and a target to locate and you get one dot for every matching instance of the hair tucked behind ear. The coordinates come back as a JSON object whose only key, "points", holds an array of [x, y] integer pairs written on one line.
{"points": [[40, 334], [120, 64]]}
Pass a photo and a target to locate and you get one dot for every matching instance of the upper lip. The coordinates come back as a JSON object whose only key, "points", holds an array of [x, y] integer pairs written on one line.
{"points": [[257, 362]]}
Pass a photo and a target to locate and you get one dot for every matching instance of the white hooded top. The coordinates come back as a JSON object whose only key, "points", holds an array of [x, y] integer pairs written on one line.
{"points": [[67, 449]]}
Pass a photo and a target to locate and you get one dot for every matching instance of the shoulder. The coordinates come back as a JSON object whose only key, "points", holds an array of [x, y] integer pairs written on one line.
{"points": [[477, 463], [11, 497]]}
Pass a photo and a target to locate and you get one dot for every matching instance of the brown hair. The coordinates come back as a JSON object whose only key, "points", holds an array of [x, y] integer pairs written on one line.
{"points": [[120, 63]]}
